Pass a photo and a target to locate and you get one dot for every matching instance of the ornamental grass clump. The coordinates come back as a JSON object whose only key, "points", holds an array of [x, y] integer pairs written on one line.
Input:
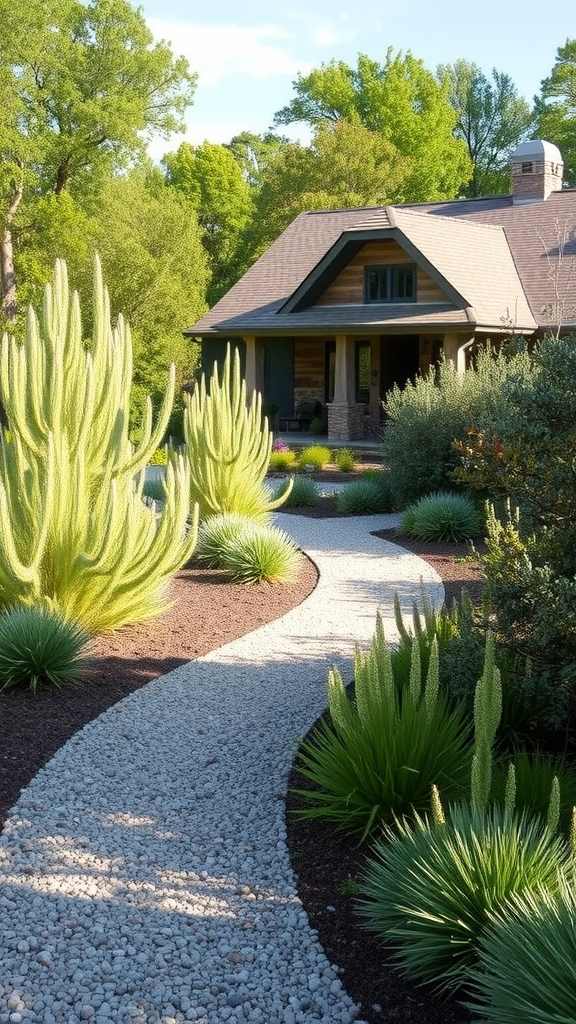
{"points": [[75, 534], [228, 446], [344, 459], [39, 647], [314, 457], [261, 554], [379, 753], [526, 970], [305, 493], [215, 532], [282, 461], [432, 883], [364, 497], [444, 516]]}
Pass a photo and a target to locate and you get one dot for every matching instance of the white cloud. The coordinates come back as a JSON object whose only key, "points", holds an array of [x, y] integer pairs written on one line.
{"points": [[219, 52], [334, 31]]}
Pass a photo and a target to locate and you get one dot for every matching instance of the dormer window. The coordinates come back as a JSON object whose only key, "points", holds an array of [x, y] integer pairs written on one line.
{"points": [[393, 283]]}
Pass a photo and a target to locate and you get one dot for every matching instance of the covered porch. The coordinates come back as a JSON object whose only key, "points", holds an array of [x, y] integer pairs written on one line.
{"points": [[346, 376]]}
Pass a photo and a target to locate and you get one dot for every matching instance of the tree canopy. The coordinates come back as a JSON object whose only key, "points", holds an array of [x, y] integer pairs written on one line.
{"points": [[402, 101], [84, 86], [212, 180], [556, 108], [491, 119]]}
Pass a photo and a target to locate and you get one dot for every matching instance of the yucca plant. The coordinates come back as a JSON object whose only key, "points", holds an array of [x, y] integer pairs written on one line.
{"points": [[75, 534], [432, 883], [443, 516], [259, 554], [526, 970], [314, 456], [228, 446], [379, 754], [39, 647]]}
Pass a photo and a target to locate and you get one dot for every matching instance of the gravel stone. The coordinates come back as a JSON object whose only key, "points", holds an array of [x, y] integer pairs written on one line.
{"points": [[144, 872]]}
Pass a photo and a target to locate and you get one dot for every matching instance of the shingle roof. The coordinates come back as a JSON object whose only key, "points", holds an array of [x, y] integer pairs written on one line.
{"points": [[489, 252]]}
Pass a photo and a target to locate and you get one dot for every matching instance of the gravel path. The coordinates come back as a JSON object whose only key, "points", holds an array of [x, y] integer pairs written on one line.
{"points": [[144, 873]]}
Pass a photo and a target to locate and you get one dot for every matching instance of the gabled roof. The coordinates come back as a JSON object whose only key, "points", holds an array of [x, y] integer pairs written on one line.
{"points": [[487, 256]]}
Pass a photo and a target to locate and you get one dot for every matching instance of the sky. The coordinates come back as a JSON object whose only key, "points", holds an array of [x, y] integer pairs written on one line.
{"points": [[247, 54]]}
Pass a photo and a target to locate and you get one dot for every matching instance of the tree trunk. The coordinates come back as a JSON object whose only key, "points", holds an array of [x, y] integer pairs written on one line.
{"points": [[7, 272]]}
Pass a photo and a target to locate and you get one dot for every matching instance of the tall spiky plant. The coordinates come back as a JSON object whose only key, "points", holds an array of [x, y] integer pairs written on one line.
{"points": [[228, 446], [75, 534]]}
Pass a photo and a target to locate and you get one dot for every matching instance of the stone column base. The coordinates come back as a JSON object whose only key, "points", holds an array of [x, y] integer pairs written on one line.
{"points": [[346, 422]]}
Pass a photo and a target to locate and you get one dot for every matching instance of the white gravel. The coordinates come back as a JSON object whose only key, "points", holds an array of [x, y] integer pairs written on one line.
{"points": [[144, 872]]}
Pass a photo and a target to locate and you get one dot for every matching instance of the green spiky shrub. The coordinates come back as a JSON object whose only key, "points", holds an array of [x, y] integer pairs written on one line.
{"points": [[534, 774], [260, 554], [363, 497], [379, 753], [315, 456], [283, 462], [305, 493], [215, 532], [429, 624], [75, 534], [228, 446], [443, 516], [154, 488], [39, 647], [432, 883], [344, 459], [526, 962]]}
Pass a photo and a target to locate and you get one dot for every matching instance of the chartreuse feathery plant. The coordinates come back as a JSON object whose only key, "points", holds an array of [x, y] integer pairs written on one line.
{"points": [[248, 551], [227, 447], [380, 753], [432, 884], [75, 534]]}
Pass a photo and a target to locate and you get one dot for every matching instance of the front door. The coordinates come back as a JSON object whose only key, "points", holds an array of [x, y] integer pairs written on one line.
{"points": [[399, 360]]}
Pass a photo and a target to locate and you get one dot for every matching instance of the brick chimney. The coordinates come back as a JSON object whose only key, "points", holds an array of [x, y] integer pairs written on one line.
{"points": [[537, 168]]}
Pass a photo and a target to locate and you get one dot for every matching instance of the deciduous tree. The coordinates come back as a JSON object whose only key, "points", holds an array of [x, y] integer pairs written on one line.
{"points": [[556, 108], [491, 119]]}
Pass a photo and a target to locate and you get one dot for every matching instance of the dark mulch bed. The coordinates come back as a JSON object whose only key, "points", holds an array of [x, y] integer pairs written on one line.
{"points": [[208, 612]]}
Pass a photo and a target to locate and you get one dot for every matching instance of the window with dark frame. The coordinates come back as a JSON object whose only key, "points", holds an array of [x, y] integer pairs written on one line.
{"points": [[392, 283], [362, 372]]}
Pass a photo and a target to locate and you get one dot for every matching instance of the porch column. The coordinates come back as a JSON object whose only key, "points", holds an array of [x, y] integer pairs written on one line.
{"points": [[254, 373], [455, 350], [345, 418], [344, 371]]}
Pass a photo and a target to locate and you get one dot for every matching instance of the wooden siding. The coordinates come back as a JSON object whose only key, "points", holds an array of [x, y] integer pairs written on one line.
{"points": [[349, 285], [309, 363]]}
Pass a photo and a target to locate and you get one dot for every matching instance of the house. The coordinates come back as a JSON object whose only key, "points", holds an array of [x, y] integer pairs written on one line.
{"points": [[347, 303]]}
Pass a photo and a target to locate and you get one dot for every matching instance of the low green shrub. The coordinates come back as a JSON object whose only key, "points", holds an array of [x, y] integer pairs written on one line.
{"points": [[259, 554], [344, 459], [444, 516], [534, 775], [379, 753], [39, 647], [526, 960], [315, 455], [282, 461], [159, 457], [428, 414], [429, 889], [432, 883], [364, 497], [155, 488], [305, 493], [215, 532], [429, 624]]}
